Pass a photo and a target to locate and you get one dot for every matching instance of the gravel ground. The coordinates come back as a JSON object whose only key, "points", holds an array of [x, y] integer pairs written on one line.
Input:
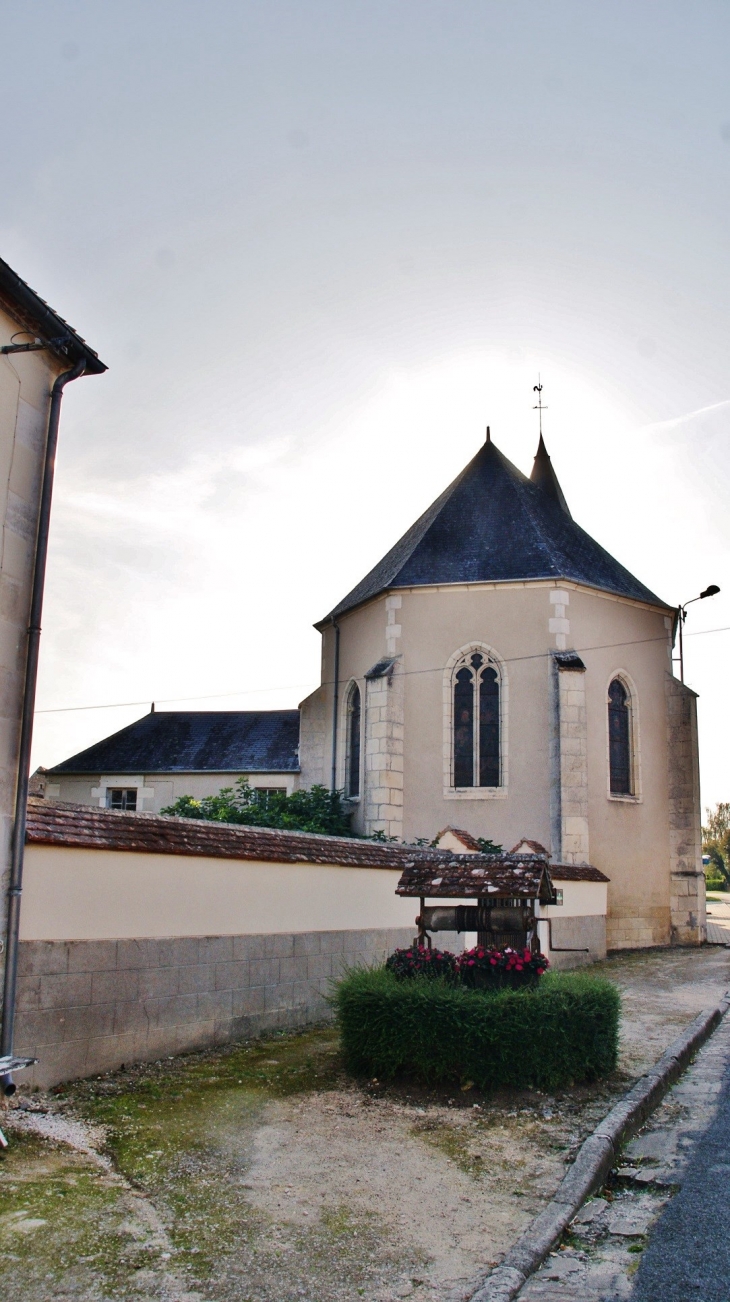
{"points": [[261, 1172]]}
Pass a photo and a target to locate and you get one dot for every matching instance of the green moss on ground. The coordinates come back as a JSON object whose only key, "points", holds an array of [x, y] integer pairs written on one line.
{"points": [[180, 1133], [65, 1228]]}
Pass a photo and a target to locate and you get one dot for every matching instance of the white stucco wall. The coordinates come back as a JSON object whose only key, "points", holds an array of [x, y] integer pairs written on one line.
{"points": [[25, 386], [79, 894], [158, 790]]}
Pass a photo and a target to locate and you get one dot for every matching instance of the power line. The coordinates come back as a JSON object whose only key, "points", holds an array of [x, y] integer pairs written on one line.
{"points": [[297, 687]]}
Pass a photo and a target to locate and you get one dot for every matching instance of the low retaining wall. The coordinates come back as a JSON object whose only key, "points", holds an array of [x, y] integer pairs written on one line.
{"points": [[143, 936], [87, 1006]]}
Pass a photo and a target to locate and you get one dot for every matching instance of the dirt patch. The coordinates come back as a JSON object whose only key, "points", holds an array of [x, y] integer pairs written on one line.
{"points": [[661, 992], [262, 1173]]}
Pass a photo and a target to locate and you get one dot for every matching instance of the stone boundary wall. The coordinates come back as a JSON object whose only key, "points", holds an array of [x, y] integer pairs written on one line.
{"points": [[87, 1006]]}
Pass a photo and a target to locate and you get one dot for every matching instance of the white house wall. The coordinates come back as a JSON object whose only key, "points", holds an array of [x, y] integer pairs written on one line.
{"points": [[25, 385], [158, 790]]}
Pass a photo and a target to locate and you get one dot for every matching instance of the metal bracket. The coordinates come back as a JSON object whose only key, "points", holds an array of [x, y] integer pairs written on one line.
{"points": [[36, 346], [11, 1063]]}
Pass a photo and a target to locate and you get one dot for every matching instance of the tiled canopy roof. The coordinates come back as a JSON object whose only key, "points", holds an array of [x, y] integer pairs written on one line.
{"points": [[189, 741], [424, 872], [476, 876], [576, 872], [491, 525]]}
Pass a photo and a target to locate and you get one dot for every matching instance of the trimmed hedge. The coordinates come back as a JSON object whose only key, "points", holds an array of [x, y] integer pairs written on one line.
{"points": [[562, 1031]]}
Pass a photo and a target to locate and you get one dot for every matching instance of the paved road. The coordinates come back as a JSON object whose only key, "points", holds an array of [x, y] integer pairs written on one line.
{"points": [[718, 920], [688, 1255], [684, 1235]]}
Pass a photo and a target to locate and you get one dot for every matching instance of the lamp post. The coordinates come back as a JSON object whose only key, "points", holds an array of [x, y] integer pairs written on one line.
{"points": [[712, 591]]}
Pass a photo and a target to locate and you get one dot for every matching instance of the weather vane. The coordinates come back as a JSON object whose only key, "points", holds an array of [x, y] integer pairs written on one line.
{"points": [[537, 388]]}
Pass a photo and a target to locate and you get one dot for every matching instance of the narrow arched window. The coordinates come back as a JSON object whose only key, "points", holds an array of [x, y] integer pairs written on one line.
{"points": [[476, 739], [352, 776], [619, 739]]}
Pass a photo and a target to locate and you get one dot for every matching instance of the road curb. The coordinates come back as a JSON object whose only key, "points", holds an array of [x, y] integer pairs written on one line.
{"points": [[595, 1159]]}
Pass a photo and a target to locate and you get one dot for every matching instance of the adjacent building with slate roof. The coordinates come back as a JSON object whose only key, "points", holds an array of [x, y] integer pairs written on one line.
{"points": [[171, 753]]}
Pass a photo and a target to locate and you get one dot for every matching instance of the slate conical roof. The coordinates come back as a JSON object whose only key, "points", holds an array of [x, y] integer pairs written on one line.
{"points": [[491, 525], [544, 475]]}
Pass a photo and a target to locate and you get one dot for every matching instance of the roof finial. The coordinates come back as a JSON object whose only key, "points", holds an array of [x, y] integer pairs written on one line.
{"points": [[489, 436], [537, 388]]}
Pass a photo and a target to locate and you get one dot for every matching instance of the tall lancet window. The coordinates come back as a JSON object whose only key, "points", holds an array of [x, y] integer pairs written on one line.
{"points": [[352, 774], [619, 739], [476, 723]]}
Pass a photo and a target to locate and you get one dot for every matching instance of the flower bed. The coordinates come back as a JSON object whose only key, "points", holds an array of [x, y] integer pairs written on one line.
{"points": [[478, 968], [419, 960], [562, 1030]]}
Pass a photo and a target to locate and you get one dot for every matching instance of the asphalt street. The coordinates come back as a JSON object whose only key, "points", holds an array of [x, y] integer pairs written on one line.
{"points": [[688, 1254]]}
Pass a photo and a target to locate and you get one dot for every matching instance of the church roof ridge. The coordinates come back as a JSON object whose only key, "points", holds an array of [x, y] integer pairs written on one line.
{"points": [[492, 524]]}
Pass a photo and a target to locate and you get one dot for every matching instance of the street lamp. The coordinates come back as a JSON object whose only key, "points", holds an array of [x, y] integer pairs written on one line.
{"points": [[712, 591]]}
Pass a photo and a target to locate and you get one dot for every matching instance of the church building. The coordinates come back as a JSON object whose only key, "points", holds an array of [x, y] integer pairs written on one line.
{"points": [[499, 671]]}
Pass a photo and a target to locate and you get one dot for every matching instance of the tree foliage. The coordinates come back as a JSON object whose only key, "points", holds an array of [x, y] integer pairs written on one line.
{"points": [[716, 842], [316, 810]]}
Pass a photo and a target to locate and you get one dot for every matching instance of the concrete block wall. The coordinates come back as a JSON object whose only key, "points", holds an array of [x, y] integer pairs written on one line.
{"points": [[574, 936], [87, 1006]]}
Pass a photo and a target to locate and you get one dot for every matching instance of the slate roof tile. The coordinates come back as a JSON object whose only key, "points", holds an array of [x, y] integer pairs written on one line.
{"points": [[196, 741], [491, 525]]}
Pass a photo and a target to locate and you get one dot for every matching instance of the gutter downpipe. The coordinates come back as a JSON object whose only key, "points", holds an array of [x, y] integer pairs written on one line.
{"points": [[336, 693], [26, 727]]}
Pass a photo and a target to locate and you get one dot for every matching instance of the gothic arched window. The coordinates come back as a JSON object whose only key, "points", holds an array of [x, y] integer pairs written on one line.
{"points": [[352, 767], [476, 738], [619, 739]]}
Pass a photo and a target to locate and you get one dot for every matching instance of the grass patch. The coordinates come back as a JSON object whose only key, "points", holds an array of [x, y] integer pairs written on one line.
{"points": [[562, 1031], [64, 1228], [169, 1127]]}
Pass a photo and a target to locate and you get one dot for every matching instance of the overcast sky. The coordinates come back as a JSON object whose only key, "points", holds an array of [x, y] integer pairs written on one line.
{"points": [[320, 245]]}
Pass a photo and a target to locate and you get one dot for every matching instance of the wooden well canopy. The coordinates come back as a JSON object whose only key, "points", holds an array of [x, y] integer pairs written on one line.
{"points": [[503, 893]]}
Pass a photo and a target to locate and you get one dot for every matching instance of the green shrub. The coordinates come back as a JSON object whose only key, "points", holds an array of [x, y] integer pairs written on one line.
{"points": [[316, 810], [561, 1031]]}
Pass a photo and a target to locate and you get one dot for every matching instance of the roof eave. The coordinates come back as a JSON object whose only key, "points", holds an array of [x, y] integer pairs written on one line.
{"points": [[141, 768], [656, 603], [22, 302]]}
